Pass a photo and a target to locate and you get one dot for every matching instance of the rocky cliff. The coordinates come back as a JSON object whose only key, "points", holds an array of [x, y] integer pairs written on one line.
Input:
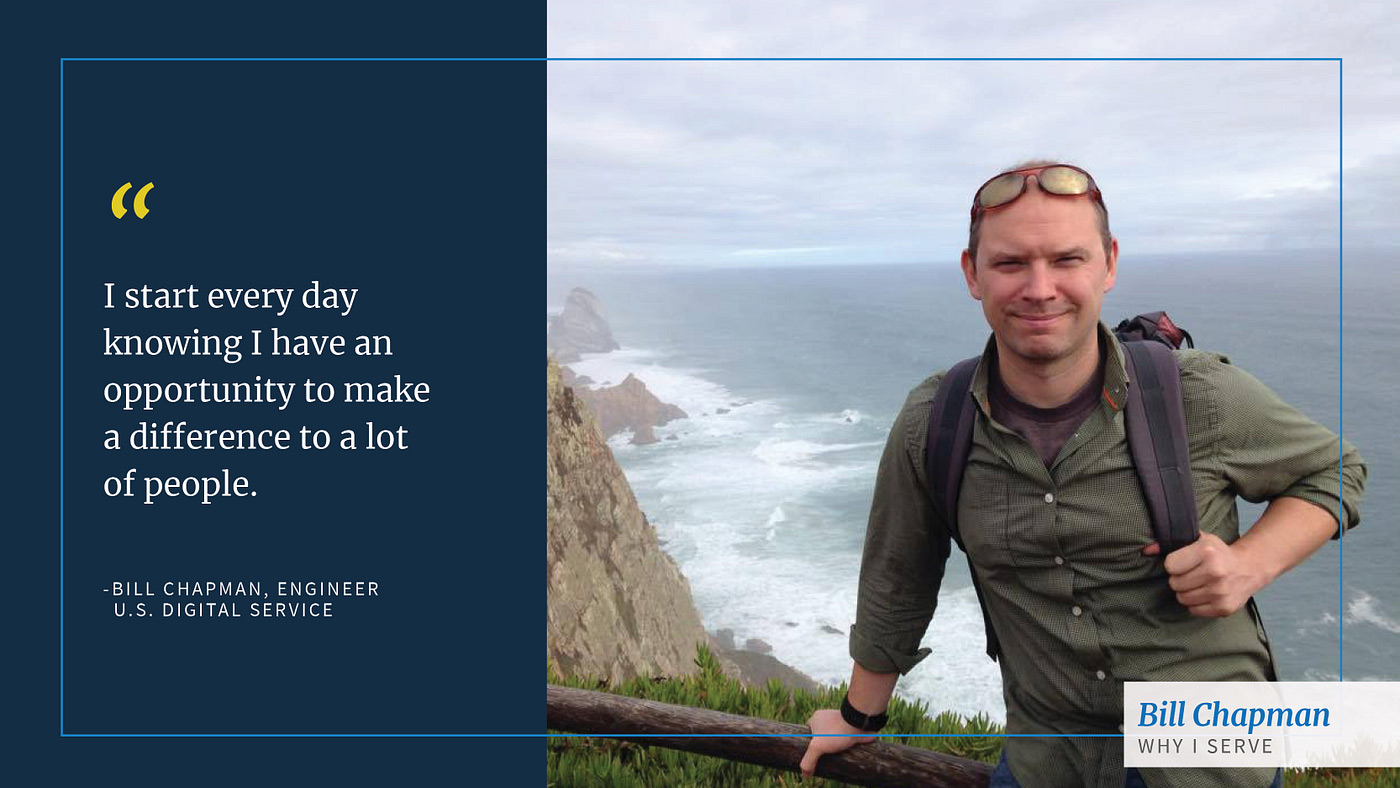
{"points": [[618, 606], [580, 328], [629, 405]]}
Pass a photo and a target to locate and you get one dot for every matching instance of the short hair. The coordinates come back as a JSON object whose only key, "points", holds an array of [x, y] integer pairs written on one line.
{"points": [[974, 229]]}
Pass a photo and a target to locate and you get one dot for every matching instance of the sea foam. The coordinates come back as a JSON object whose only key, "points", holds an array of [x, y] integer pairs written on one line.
{"points": [[1364, 609], [743, 500]]}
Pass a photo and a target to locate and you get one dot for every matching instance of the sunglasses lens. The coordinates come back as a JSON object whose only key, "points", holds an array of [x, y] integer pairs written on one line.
{"points": [[1063, 180], [1001, 190]]}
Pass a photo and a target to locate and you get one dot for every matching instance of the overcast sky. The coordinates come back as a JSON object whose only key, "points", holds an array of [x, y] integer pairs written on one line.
{"points": [[782, 163]]}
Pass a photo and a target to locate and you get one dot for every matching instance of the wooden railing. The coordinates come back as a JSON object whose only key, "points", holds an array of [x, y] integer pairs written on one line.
{"points": [[762, 742]]}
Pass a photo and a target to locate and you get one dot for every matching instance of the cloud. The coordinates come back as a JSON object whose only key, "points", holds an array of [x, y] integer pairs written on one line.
{"points": [[761, 162]]}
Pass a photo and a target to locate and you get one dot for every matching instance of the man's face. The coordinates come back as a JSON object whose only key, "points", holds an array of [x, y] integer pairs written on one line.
{"points": [[1041, 274]]}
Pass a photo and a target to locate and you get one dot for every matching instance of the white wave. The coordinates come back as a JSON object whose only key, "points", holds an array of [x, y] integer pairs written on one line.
{"points": [[621, 443], [734, 478], [1309, 627], [742, 503], [685, 388], [612, 367], [775, 517], [784, 452], [807, 626], [957, 676], [847, 416], [1365, 610]]}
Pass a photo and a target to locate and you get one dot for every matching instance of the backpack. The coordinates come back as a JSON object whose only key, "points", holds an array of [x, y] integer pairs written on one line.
{"points": [[1154, 420]]}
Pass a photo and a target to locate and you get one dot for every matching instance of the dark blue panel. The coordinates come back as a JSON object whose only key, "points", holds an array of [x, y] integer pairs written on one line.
{"points": [[420, 184]]}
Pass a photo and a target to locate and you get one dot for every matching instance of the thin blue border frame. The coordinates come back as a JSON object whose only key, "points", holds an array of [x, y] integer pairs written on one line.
{"points": [[1341, 545]]}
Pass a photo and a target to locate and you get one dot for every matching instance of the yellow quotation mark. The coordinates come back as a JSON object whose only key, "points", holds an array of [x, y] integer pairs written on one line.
{"points": [[139, 205]]}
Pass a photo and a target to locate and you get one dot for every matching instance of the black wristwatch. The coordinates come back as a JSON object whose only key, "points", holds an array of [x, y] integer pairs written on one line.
{"points": [[866, 722]]}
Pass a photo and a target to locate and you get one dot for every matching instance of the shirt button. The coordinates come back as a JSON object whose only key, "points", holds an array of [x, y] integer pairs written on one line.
{"points": [[1100, 675], [1049, 497], [1079, 611], [1059, 560]]}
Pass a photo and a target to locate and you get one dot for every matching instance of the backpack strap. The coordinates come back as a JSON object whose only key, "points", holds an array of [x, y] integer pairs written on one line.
{"points": [[1156, 425], [949, 442]]}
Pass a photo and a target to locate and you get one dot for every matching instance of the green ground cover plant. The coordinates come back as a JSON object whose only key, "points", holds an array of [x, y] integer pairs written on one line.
{"points": [[605, 763]]}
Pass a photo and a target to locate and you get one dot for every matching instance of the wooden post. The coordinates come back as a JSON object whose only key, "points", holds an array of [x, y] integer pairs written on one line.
{"points": [[663, 724]]}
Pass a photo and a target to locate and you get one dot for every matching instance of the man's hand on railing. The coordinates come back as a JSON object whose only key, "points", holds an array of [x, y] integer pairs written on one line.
{"points": [[829, 721]]}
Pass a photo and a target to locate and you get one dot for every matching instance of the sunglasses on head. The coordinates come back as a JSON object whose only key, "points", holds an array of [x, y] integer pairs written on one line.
{"points": [[1064, 180]]}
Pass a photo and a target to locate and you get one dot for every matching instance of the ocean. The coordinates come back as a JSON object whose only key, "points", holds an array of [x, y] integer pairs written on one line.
{"points": [[791, 378]]}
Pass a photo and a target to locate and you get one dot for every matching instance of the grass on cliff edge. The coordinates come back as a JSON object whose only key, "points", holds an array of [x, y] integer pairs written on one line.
{"points": [[605, 763], [589, 762]]}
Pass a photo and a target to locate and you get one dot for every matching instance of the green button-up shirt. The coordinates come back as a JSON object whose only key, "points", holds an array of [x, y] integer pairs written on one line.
{"points": [[1077, 607]]}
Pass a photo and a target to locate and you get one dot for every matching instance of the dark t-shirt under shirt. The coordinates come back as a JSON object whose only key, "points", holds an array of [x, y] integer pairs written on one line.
{"points": [[1046, 429]]}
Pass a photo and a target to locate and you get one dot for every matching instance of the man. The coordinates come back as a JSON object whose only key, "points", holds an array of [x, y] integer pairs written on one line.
{"points": [[1052, 514]]}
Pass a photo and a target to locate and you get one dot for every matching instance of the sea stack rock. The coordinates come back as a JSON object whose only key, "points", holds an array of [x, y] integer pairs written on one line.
{"points": [[574, 380], [580, 328], [618, 606], [629, 405]]}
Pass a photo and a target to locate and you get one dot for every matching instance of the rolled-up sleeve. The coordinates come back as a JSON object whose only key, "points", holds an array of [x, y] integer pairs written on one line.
{"points": [[1269, 449], [905, 551]]}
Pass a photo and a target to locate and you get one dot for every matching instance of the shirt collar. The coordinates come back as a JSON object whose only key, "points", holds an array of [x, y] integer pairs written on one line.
{"points": [[1115, 373]]}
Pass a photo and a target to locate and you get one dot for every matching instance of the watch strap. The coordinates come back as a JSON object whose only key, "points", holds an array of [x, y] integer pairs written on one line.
{"points": [[870, 723]]}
